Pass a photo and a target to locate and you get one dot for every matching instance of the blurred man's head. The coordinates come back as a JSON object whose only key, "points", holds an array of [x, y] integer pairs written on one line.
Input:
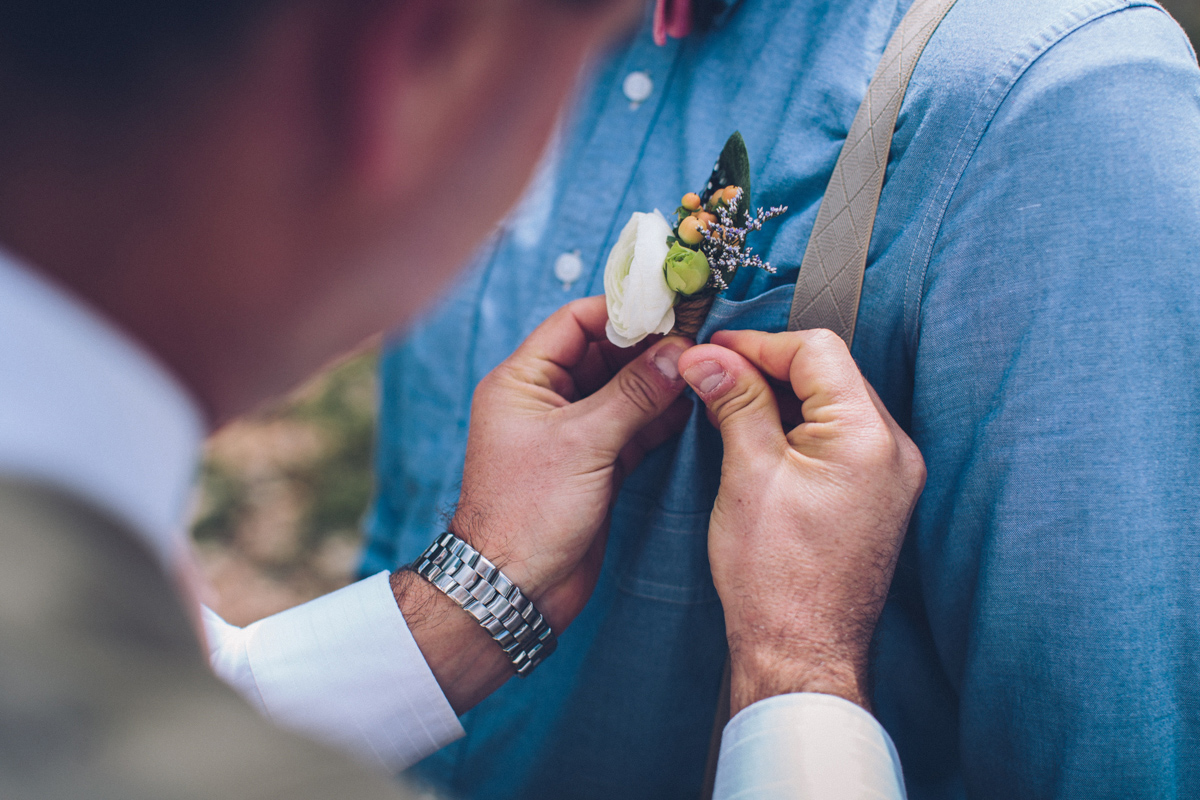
{"points": [[250, 186]]}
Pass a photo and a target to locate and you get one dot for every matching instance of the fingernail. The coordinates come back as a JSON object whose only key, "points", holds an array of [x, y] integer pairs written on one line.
{"points": [[666, 361], [706, 377]]}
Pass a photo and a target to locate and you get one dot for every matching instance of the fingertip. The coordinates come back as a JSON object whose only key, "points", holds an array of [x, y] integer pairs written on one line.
{"points": [[588, 304], [772, 353], [680, 340], [723, 337], [701, 352], [591, 313], [709, 378], [664, 358], [720, 337], [763, 350], [711, 370]]}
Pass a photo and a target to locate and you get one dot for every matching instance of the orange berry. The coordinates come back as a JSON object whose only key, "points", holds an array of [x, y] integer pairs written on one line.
{"points": [[690, 231], [705, 218], [691, 201], [729, 192]]}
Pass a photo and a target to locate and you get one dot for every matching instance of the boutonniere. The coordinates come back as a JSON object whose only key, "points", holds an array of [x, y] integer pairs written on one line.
{"points": [[662, 278]]}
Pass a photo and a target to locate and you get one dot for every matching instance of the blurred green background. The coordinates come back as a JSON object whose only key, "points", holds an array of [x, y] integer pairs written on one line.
{"points": [[284, 490]]}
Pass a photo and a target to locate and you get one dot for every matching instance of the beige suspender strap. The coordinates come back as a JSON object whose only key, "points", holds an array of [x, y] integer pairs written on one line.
{"points": [[831, 275]]}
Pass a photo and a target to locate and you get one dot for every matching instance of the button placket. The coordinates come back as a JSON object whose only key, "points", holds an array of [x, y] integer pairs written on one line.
{"points": [[590, 203]]}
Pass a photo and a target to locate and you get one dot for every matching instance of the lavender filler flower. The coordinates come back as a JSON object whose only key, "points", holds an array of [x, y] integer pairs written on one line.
{"points": [[725, 242], [670, 283]]}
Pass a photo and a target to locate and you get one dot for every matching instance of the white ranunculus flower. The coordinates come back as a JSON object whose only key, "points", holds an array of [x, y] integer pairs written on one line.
{"points": [[639, 300]]}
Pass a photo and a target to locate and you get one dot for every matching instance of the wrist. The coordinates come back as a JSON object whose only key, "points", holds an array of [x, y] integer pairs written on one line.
{"points": [[762, 671], [463, 657], [488, 596], [557, 597], [483, 535]]}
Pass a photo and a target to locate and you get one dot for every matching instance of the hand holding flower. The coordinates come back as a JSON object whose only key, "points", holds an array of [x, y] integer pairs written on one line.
{"points": [[554, 430]]}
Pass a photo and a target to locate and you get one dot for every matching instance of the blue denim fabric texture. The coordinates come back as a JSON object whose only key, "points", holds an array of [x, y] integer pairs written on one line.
{"points": [[1030, 314]]}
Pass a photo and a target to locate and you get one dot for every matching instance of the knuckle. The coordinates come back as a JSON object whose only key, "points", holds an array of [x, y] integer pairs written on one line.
{"points": [[914, 463], [736, 403], [898, 458], [638, 390], [487, 384], [825, 341], [874, 447]]}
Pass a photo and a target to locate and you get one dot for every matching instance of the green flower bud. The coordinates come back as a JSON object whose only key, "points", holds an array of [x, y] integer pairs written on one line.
{"points": [[687, 269]]}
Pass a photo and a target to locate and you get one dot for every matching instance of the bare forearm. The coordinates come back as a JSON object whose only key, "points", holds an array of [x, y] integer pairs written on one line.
{"points": [[465, 660]]}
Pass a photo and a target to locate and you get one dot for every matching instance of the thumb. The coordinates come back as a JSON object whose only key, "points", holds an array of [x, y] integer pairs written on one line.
{"points": [[738, 396], [637, 395]]}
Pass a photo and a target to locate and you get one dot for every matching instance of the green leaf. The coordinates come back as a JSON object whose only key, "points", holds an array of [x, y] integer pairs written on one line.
{"points": [[732, 169]]}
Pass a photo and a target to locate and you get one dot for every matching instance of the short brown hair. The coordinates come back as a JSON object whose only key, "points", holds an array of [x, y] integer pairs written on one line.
{"points": [[110, 51]]}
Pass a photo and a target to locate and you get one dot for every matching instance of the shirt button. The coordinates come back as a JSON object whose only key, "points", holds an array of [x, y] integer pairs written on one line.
{"points": [[568, 267], [638, 87]]}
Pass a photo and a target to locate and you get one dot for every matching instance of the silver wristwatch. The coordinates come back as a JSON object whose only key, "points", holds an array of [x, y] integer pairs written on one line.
{"points": [[464, 575]]}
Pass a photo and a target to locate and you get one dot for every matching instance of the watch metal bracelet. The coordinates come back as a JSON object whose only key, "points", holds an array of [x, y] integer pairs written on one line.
{"points": [[477, 585]]}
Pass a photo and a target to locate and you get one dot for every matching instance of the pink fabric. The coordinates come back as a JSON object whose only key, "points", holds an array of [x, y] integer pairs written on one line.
{"points": [[672, 18]]}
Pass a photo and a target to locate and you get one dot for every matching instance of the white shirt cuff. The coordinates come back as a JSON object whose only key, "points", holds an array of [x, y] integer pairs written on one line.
{"points": [[810, 746], [343, 669]]}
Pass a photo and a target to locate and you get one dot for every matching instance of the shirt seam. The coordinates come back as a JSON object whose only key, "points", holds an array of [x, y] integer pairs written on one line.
{"points": [[1012, 71]]}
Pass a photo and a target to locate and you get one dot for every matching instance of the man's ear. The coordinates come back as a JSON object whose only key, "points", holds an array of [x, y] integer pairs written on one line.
{"points": [[417, 69], [426, 75]]}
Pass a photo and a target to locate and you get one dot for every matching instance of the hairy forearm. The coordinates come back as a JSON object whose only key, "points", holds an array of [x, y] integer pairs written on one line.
{"points": [[468, 663], [465, 660]]}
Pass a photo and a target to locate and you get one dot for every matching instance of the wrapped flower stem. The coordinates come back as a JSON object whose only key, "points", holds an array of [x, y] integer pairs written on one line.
{"points": [[690, 314]]}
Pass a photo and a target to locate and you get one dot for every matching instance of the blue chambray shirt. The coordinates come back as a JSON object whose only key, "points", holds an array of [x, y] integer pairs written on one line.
{"points": [[1030, 314]]}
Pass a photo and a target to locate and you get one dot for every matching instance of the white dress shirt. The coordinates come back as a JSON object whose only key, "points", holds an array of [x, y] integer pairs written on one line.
{"points": [[85, 409]]}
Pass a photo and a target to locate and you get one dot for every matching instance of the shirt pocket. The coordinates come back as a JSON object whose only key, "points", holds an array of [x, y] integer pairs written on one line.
{"points": [[660, 523], [767, 312]]}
